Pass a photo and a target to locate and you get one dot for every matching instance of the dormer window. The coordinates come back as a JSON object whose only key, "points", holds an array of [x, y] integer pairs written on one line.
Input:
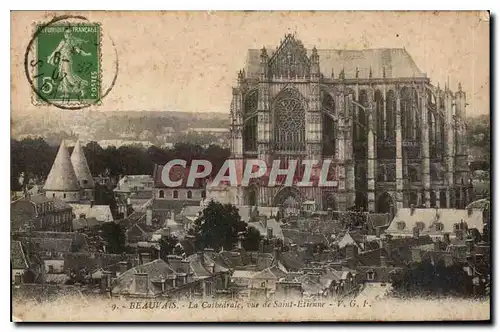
{"points": [[439, 227], [420, 225], [401, 225], [370, 275]]}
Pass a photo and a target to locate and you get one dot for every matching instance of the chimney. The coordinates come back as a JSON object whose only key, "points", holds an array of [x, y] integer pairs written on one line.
{"points": [[470, 244], [378, 231], [437, 245], [141, 283], [149, 217], [383, 260], [314, 276], [92, 203], [201, 257], [167, 231], [412, 209], [172, 214], [351, 251], [459, 233], [145, 257], [387, 245], [446, 238], [241, 236], [123, 267], [162, 280], [105, 281], [330, 213], [264, 220], [209, 252], [261, 246], [469, 211], [416, 232], [269, 233], [276, 253]]}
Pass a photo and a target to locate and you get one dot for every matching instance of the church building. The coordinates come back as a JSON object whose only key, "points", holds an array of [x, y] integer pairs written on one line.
{"points": [[396, 139]]}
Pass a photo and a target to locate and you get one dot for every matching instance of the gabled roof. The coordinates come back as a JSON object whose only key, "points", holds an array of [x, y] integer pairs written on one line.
{"points": [[447, 217], [271, 223], [156, 270], [100, 212], [81, 167], [273, 272], [396, 62], [62, 176], [349, 239]]}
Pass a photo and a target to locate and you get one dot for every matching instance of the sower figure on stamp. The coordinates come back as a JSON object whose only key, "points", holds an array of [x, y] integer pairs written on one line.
{"points": [[62, 58]]}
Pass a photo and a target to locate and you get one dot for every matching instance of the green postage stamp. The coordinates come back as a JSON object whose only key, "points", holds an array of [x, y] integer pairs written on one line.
{"points": [[68, 67]]}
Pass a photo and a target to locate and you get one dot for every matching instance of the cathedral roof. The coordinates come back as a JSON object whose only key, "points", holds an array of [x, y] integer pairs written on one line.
{"points": [[396, 62], [62, 176], [81, 167]]}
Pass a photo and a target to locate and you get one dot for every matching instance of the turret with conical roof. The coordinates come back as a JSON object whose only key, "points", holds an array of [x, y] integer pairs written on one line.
{"points": [[62, 181], [82, 171]]}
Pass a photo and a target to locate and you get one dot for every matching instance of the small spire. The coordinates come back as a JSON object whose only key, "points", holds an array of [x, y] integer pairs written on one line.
{"points": [[333, 73], [371, 74], [263, 52], [459, 86], [383, 72], [357, 72], [342, 74]]}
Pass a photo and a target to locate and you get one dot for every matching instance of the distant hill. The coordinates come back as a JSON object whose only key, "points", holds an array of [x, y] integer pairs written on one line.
{"points": [[94, 125]]}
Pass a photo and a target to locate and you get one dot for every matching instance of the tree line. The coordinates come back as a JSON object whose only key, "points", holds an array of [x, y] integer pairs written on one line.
{"points": [[34, 159]]}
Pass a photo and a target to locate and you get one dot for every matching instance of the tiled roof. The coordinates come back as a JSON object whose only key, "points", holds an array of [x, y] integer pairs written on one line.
{"points": [[79, 223], [301, 238], [17, 256], [100, 212], [273, 272], [94, 260], [204, 266], [36, 244], [62, 176], [170, 204], [156, 270], [60, 205], [271, 223], [55, 241], [39, 199]]}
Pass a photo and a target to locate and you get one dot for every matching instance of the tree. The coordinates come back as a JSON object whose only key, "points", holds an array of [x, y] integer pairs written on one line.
{"points": [[113, 235], [218, 226], [251, 239], [427, 279], [167, 246]]}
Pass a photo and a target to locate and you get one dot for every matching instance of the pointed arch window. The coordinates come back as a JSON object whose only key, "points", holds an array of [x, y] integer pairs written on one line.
{"points": [[379, 109], [390, 122], [329, 125], [250, 124]]}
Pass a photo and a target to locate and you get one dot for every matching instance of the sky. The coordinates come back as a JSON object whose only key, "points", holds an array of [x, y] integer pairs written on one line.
{"points": [[188, 61]]}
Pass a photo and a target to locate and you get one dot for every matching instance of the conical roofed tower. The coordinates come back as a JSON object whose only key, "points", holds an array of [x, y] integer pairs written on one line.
{"points": [[82, 171], [62, 181]]}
